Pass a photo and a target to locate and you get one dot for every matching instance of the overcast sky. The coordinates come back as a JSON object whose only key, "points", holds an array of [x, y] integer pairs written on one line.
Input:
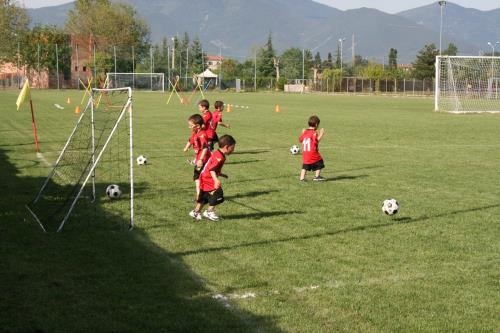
{"points": [[389, 6]]}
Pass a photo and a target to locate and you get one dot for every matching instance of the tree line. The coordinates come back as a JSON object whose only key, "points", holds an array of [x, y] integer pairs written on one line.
{"points": [[121, 41]]}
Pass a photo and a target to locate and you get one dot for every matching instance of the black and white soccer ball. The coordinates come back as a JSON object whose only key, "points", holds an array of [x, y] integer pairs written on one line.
{"points": [[113, 191], [390, 206], [294, 150], [142, 160]]}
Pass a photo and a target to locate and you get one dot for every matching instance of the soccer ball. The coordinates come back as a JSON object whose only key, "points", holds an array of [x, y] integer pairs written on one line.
{"points": [[294, 150], [142, 160], [390, 206], [113, 191]]}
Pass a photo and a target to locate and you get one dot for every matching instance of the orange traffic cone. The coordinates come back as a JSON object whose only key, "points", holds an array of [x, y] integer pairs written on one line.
{"points": [[229, 108], [77, 109], [68, 101], [277, 108]]}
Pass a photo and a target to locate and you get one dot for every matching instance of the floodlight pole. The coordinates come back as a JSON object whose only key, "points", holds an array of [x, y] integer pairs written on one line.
{"points": [[173, 53], [442, 3], [57, 66], [341, 40], [18, 61], [114, 54], [303, 56]]}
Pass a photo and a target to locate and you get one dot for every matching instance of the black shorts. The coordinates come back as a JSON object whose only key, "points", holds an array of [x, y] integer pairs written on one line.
{"points": [[197, 172], [213, 198], [213, 141], [314, 166]]}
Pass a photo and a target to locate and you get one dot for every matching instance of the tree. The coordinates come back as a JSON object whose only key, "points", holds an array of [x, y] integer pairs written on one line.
{"points": [[39, 50], [108, 24], [198, 58], [328, 63], [291, 63], [317, 61], [14, 22], [265, 59], [393, 59], [338, 61], [423, 67], [452, 50]]}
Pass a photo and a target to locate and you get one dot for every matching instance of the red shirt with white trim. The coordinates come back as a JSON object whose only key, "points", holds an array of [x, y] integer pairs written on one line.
{"points": [[215, 163], [207, 120], [199, 141], [309, 140]]}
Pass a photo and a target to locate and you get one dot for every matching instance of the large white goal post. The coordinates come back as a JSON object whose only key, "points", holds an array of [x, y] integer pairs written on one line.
{"points": [[98, 153], [467, 84], [137, 81]]}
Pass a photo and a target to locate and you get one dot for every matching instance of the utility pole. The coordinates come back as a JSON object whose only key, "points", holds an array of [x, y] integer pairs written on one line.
{"points": [[442, 3], [341, 40]]}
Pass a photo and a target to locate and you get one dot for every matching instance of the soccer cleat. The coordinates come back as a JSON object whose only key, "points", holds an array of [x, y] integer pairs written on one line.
{"points": [[190, 162], [195, 215], [302, 180], [210, 215], [319, 179]]}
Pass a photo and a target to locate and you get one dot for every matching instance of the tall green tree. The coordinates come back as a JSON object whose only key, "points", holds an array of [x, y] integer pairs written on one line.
{"points": [[338, 61], [451, 50], [393, 59], [291, 63], [317, 61], [424, 65], [14, 22], [108, 24], [328, 63], [265, 59], [197, 58]]}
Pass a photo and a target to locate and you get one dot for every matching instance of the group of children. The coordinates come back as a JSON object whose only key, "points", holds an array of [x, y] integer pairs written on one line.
{"points": [[208, 163]]}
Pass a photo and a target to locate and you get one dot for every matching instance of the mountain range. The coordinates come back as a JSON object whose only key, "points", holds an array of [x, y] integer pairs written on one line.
{"points": [[237, 27]]}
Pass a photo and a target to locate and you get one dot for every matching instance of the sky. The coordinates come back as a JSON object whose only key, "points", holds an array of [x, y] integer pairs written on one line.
{"points": [[388, 6]]}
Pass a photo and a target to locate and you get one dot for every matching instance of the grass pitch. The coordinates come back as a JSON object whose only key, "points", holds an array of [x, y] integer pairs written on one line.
{"points": [[287, 256]]}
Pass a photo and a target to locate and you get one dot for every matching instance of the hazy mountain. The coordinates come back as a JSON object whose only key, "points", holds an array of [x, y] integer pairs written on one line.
{"points": [[237, 27], [478, 27]]}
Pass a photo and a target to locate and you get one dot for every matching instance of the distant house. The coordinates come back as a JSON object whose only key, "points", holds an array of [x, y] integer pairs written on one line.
{"points": [[213, 62], [405, 67]]}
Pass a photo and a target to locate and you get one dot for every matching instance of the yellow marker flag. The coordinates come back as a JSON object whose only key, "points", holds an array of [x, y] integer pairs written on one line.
{"points": [[22, 95]]}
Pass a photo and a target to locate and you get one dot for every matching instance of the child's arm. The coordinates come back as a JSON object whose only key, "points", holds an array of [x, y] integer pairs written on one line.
{"points": [[224, 125], [188, 144], [216, 180], [199, 163], [223, 175], [321, 132]]}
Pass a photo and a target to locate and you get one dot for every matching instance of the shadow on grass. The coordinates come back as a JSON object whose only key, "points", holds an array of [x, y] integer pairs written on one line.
{"points": [[98, 278], [344, 177], [244, 162], [259, 215], [394, 222], [251, 152], [251, 194]]}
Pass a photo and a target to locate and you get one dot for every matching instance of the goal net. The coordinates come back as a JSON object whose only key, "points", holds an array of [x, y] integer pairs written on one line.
{"points": [[92, 179], [467, 84], [137, 81]]}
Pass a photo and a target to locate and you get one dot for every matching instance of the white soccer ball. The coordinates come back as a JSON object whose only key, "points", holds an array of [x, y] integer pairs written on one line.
{"points": [[142, 160], [294, 150], [390, 206], [113, 191]]}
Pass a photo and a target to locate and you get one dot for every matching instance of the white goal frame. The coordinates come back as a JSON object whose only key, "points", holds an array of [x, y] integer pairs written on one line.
{"points": [[111, 77], [478, 92], [90, 174]]}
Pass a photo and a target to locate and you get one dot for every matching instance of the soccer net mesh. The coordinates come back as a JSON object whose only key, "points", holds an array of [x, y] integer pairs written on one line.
{"points": [[97, 154], [467, 84], [138, 81]]}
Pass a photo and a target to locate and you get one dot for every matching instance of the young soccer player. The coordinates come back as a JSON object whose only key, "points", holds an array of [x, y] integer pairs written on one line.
{"points": [[210, 187], [311, 159], [199, 142], [217, 120], [203, 107]]}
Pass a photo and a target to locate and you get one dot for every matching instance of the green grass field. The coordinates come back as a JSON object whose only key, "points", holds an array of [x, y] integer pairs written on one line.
{"points": [[287, 256]]}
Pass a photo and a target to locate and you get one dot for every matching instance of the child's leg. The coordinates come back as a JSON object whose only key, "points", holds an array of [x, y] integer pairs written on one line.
{"points": [[302, 174], [198, 207], [318, 172], [197, 184]]}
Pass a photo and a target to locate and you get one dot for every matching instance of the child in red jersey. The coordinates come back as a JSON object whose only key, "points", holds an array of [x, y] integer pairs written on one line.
{"points": [[210, 187], [199, 142], [203, 107], [217, 120], [311, 159]]}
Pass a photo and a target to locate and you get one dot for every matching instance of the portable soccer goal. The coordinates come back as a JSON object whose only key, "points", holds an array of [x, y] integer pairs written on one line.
{"points": [[92, 180], [467, 84], [137, 81]]}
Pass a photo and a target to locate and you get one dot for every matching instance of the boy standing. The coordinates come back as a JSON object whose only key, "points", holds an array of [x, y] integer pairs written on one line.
{"points": [[217, 120], [210, 187], [203, 107], [199, 142], [311, 159]]}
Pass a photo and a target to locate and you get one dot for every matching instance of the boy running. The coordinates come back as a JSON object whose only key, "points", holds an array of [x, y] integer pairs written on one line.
{"points": [[311, 159], [199, 142], [203, 107], [217, 120], [210, 187]]}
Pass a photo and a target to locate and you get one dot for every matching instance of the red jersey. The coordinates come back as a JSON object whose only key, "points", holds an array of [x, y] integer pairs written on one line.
{"points": [[309, 140], [207, 120], [216, 118], [199, 141], [215, 163]]}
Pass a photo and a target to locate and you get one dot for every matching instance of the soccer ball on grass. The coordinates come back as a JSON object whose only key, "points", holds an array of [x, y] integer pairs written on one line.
{"points": [[390, 206], [113, 191], [142, 160], [294, 150]]}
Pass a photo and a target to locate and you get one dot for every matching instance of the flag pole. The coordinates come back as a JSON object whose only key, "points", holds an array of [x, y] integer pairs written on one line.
{"points": [[34, 125]]}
